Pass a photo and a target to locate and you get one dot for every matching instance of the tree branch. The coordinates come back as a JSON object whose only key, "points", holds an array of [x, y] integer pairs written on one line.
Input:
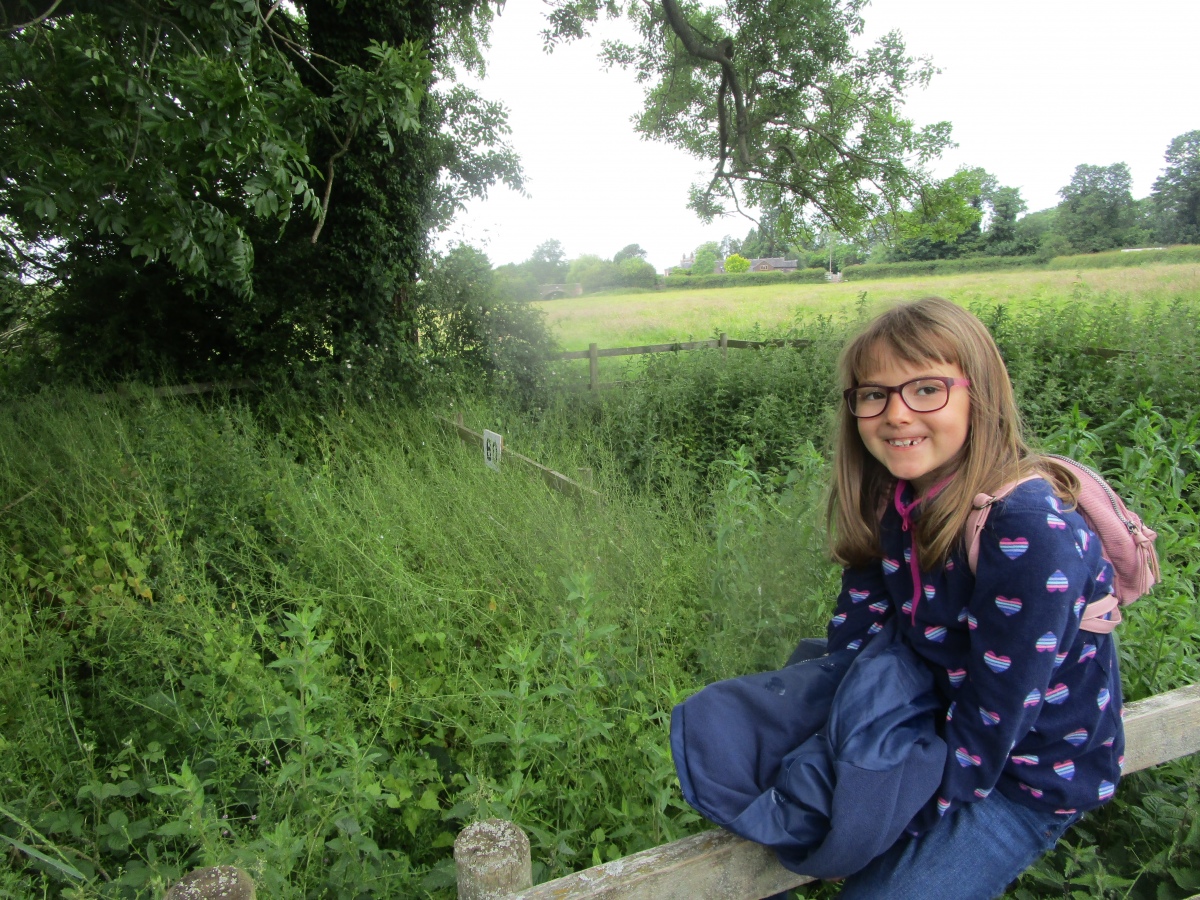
{"points": [[721, 53], [43, 17]]}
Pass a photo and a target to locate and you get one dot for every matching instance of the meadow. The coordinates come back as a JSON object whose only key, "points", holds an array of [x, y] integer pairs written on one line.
{"points": [[318, 641], [623, 320]]}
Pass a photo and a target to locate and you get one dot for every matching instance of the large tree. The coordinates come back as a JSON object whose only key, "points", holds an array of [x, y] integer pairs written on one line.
{"points": [[1098, 211], [776, 96], [1176, 193], [215, 185]]}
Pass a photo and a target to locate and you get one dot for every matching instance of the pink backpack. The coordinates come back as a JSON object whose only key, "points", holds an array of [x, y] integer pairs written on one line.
{"points": [[1124, 541]]}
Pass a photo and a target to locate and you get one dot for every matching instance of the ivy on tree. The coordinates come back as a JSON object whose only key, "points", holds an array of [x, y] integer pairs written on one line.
{"points": [[776, 97], [210, 186]]}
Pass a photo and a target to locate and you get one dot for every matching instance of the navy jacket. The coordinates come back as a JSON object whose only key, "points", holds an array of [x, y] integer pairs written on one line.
{"points": [[825, 761], [1033, 704]]}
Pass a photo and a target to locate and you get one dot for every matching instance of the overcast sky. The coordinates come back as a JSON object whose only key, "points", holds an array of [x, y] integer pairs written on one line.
{"points": [[1033, 88]]}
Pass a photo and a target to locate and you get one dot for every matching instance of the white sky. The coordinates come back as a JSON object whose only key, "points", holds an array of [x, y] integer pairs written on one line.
{"points": [[1032, 87]]}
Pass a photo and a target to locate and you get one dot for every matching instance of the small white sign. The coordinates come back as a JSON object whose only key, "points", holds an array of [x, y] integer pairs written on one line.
{"points": [[492, 445]]}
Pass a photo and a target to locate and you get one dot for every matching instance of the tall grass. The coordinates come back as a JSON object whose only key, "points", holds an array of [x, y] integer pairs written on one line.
{"points": [[317, 642]]}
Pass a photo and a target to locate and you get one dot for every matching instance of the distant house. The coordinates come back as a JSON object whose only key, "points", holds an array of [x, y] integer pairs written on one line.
{"points": [[773, 264]]}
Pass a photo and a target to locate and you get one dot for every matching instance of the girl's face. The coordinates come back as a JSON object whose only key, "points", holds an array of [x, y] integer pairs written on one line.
{"points": [[919, 447]]}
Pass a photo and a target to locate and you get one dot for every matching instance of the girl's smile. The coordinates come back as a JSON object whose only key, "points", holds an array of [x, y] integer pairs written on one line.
{"points": [[918, 447]]}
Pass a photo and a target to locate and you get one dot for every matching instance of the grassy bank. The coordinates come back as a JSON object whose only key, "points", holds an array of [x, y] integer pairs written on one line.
{"points": [[315, 643]]}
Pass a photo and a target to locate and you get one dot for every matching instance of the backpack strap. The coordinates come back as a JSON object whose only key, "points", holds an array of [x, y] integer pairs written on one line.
{"points": [[979, 513], [1099, 617]]}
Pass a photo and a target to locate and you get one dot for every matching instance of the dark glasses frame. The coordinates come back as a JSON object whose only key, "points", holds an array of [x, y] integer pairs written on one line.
{"points": [[848, 394]]}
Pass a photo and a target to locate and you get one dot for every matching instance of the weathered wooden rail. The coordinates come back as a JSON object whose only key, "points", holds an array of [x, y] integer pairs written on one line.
{"points": [[723, 343], [493, 862], [556, 480]]}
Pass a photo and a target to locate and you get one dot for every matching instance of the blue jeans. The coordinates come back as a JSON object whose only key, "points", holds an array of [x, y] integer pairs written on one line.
{"points": [[971, 854]]}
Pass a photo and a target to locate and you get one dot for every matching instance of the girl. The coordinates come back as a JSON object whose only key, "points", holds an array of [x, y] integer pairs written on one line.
{"points": [[1033, 704]]}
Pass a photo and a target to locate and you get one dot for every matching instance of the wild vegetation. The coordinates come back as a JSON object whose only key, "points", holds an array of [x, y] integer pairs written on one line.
{"points": [[316, 641]]}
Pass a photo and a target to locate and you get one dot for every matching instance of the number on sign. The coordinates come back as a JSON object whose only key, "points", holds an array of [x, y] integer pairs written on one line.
{"points": [[492, 445]]}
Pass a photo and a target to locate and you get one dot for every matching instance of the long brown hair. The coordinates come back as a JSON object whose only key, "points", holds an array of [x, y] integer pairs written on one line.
{"points": [[930, 330]]}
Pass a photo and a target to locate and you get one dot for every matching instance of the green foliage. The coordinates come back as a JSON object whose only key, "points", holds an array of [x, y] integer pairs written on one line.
{"points": [[318, 647], [629, 251], [1118, 259], [800, 276], [1098, 211], [474, 337], [736, 264], [705, 260], [1176, 194], [317, 642], [154, 155], [781, 102], [946, 222]]}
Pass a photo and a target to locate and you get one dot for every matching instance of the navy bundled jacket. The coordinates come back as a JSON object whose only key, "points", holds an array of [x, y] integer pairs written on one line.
{"points": [[825, 761], [1033, 704]]}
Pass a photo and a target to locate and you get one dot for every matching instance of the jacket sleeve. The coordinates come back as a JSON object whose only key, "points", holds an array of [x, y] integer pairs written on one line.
{"points": [[1036, 570], [862, 607]]}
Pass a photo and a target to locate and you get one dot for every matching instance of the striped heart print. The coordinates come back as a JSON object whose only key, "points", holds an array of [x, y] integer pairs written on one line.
{"points": [[875, 628], [1058, 694], [1077, 738], [972, 622], [854, 644], [989, 717], [1014, 547], [1047, 643], [1055, 522], [1088, 652], [982, 793], [1057, 583], [890, 566], [879, 606], [996, 662], [837, 620], [1010, 606], [858, 596], [1033, 698], [1025, 759], [956, 676], [930, 592], [942, 804], [1080, 603], [1033, 792], [1102, 699], [1065, 768], [966, 758], [935, 633], [1106, 790]]}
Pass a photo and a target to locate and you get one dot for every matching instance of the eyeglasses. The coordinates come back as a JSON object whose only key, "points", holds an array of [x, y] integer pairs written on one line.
{"points": [[921, 395]]}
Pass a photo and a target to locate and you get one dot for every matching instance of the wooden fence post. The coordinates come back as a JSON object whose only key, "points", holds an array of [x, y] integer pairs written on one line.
{"points": [[594, 366], [583, 475], [458, 419], [492, 860], [215, 883], [724, 345]]}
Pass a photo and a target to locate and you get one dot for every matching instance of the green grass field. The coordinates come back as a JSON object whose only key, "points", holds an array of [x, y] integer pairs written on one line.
{"points": [[622, 320]]}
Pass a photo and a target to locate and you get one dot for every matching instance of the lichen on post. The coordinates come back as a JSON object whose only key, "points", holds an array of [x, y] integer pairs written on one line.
{"points": [[492, 860]]}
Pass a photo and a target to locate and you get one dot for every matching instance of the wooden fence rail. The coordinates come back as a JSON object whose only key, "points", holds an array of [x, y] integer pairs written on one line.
{"points": [[717, 865], [723, 343], [556, 480]]}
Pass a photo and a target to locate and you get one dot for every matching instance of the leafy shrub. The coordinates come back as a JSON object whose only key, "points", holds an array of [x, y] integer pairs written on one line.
{"points": [[736, 264], [472, 335]]}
